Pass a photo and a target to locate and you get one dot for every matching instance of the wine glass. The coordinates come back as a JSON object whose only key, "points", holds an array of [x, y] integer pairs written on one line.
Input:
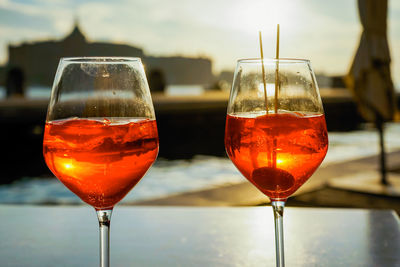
{"points": [[275, 129], [101, 135]]}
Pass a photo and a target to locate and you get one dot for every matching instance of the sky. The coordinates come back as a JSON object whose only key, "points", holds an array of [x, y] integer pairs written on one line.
{"points": [[326, 32]]}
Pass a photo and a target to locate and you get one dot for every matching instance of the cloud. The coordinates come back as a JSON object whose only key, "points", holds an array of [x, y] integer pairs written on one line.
{"points": [[20, 20], [32, 14], [327, 32], [25, 8]]}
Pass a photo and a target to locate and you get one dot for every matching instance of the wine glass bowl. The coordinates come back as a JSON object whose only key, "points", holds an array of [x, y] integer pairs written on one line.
{"points": [[276, 152], [100, 135], [275, 131], [275, 142], [105, 160]]}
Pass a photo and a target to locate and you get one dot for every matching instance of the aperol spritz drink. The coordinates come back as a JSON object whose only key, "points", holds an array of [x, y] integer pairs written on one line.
{"points": [[275, 129], [100, 134]]}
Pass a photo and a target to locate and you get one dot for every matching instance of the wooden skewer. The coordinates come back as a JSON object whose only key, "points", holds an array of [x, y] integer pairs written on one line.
{"points": [[263, 72], [277, 71]]}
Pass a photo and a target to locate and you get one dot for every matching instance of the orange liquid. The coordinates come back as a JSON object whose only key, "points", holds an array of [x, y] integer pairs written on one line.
{"points": [[277, 152], [99, 160]]}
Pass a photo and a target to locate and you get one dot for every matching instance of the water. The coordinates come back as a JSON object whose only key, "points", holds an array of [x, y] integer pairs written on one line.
{"points": [[32, 92], [43, 92], [167, 178], [163, 179], [180, 90]]}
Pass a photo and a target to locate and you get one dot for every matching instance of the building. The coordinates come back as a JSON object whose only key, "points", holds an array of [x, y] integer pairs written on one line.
{"points": [[38, 60], [181, 70]]}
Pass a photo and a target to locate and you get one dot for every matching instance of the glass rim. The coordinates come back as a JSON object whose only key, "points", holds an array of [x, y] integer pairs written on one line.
{"points": [[268, 60], [100, 60]]}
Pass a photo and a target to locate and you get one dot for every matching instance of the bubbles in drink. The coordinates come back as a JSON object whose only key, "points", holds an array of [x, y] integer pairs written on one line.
{"points": [[100, 160], [276, 152]]}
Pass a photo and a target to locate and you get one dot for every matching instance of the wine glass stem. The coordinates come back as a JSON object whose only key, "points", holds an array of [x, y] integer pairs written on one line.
{"points": [[104, 217], [278, 207]]}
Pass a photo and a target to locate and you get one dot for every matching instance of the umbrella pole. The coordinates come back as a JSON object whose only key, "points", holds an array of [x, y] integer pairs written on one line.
{"points": [[379, 126]]}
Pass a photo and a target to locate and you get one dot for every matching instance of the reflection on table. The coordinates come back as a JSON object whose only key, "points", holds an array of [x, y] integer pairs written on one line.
{"points": [[178, 236]]}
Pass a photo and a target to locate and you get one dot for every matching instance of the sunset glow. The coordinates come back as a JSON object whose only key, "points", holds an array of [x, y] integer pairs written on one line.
{"points": [[326, 32]]}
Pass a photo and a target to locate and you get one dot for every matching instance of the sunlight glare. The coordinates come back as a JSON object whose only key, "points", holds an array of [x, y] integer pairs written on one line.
{"points": [[270, 90], [68, 166], [265, 15]]}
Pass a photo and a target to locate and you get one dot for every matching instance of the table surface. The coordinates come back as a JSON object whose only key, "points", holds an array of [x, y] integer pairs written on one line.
{"points": [[188, 236]]}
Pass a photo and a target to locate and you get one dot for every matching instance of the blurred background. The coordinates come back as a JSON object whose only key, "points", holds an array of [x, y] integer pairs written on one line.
{"points": [[189, 50]]}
